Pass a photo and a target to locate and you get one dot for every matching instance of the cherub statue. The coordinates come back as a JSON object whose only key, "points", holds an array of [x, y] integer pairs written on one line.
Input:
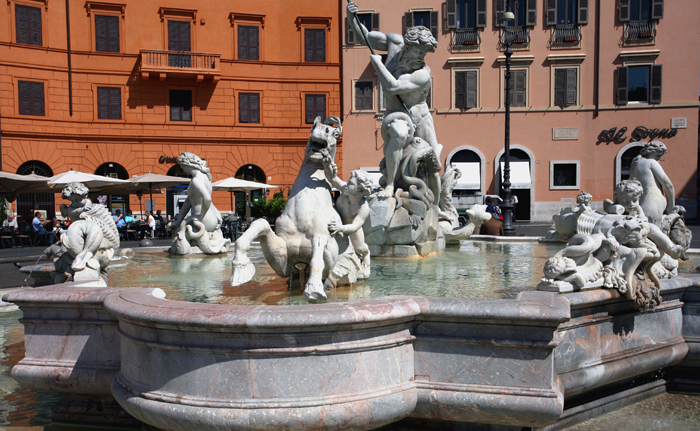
{"points": [[646, 169], [352, 207], [90, 241]]}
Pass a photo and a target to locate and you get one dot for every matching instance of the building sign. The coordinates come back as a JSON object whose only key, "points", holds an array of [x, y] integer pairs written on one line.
{"points": [[564, 133], [641, 132], [165, 159], [678, 123]]}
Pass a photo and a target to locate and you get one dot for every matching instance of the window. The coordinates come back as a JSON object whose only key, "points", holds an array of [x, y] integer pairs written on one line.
{"points": [[179, 41], [428, 19], [109, 103], [314, 106], [106, 33], [248, 42], [314, 45], [518, 87], [566, 12], [463, 14], [364, 96], [249, 107], [525, 12], [180, 105], [369, 20], [640, 10], [28, 25], [30, 98], [564, 174], [466, 89], [639, 84], [565, 87]]}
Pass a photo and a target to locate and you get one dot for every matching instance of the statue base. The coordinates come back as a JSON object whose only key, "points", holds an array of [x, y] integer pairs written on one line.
{"points": [[561, 286]]}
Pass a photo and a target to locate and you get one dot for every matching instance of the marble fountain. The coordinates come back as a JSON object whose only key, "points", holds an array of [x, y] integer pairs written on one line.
{"points": [[610, 323]]}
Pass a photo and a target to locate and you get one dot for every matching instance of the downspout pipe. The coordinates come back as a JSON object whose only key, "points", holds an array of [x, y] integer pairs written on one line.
{"points": [[70, 69], [596, 61]]}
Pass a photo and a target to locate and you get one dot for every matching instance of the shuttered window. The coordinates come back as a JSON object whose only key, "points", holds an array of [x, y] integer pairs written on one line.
{"points": [[314, 106], [640, 10], [179, 41], [565, 87], [31, 98], [180, 105], [566, 12], [428, 19], [28, 24], [466, 14], [106, 33], [639, 84], [315, 45], [248, 42], [465, 89], [109, 103], [525, 12], [369, 20], [364, 96], [518, 88], [249, 108]]}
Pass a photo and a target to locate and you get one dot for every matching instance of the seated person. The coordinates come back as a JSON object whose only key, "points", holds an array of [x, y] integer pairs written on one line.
{"points": [[121, 224], [148, 226], [39, 228], [129, 217], [492, 227], [10, 223]]}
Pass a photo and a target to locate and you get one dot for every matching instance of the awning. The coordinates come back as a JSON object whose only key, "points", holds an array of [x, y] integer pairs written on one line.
{"points": [[471, 175], [519, 175]]}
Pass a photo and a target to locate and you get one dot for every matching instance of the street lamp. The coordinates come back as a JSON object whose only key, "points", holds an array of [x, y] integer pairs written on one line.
{"points": [[506, 206]]}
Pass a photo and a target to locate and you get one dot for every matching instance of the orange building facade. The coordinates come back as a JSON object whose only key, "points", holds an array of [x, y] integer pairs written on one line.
{"points": [[584, 80], [121, 88]]}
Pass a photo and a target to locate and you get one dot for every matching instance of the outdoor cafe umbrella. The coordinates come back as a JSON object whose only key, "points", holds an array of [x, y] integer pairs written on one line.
{"points": [[11, 185], [157, 182], [231, 185], [90, 180]]}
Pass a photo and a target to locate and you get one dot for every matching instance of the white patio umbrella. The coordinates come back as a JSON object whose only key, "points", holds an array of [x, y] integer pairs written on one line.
{"points": [[90, 180], [14, 184], [231, 185]]}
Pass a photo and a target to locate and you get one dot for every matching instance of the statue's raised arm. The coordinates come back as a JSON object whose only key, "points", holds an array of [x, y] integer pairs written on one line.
{"points": [[377, 40]]}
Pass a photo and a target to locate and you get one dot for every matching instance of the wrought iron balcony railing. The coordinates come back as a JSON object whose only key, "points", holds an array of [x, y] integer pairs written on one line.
{"points": [[179, 63], [566, 34], [515, 35], [466, 37], [640, 30]]}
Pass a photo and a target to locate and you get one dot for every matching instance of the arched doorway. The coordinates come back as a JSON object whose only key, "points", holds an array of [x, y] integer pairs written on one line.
{"points": [[175, 196], [30, 202], [623, 160], [521, 178], [249, 173], [114, 202], [470, 186]]}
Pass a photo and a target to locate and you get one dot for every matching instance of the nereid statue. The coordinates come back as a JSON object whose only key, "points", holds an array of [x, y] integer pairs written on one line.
{"points": [[310, 238], [89, 243], [200, 231]]}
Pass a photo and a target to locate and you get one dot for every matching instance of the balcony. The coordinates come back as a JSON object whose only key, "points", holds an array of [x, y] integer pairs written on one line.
{"points": [[164, 64], [465, 38], [515, 35], [567, 34], [643, 31]]}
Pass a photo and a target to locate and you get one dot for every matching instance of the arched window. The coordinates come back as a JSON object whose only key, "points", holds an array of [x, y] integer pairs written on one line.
{"points": [[249, 173], [469, 164], [114, 202], [30, 202], [626, 161]]}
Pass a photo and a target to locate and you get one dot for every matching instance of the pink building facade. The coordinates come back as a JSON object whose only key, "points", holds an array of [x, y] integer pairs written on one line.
{"points": [[591, 86]]}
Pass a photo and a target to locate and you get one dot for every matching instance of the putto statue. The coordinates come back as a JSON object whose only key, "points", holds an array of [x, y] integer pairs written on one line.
{"points": [[310, 239], [90, 242], [621, 250], [646, 169], [201, 230]]}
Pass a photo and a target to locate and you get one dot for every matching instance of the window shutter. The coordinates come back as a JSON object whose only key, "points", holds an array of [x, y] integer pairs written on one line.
{"points": [[481, 13], [520, 88], [115, 102], [623, 14], [655, 93], [321, 106], [310, 111], [657, 9], [37, 89], [253, 43], [22, 23], [375, 22], [369, 97], [100, 33], [185, 36], [551, 12], [560, 87], [434, 23], [320, 44], [255, 108], [173, 36], [451, 15], [175, 106], [102, 103], [583, 12], [308, 45], [471, 89], [35, 26], [242, 43], [358, 97], [499, 8], [349, 34], [622, 85], [531, 13], [25, 97], [243, 104], [187, 105], [460, 90], [571, 82], [408, 20], [112, 33]]}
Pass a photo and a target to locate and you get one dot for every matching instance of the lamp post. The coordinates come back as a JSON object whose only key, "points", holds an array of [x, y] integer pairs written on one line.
{"points": [[506, 206]]}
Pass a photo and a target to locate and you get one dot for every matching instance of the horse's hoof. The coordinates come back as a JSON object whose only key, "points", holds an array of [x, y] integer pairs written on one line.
{"points": [[242, 272], [315, 291]]}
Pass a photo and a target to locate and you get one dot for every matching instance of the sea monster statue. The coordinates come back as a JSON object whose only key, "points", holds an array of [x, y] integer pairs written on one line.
{"points": [[302, 244]]}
